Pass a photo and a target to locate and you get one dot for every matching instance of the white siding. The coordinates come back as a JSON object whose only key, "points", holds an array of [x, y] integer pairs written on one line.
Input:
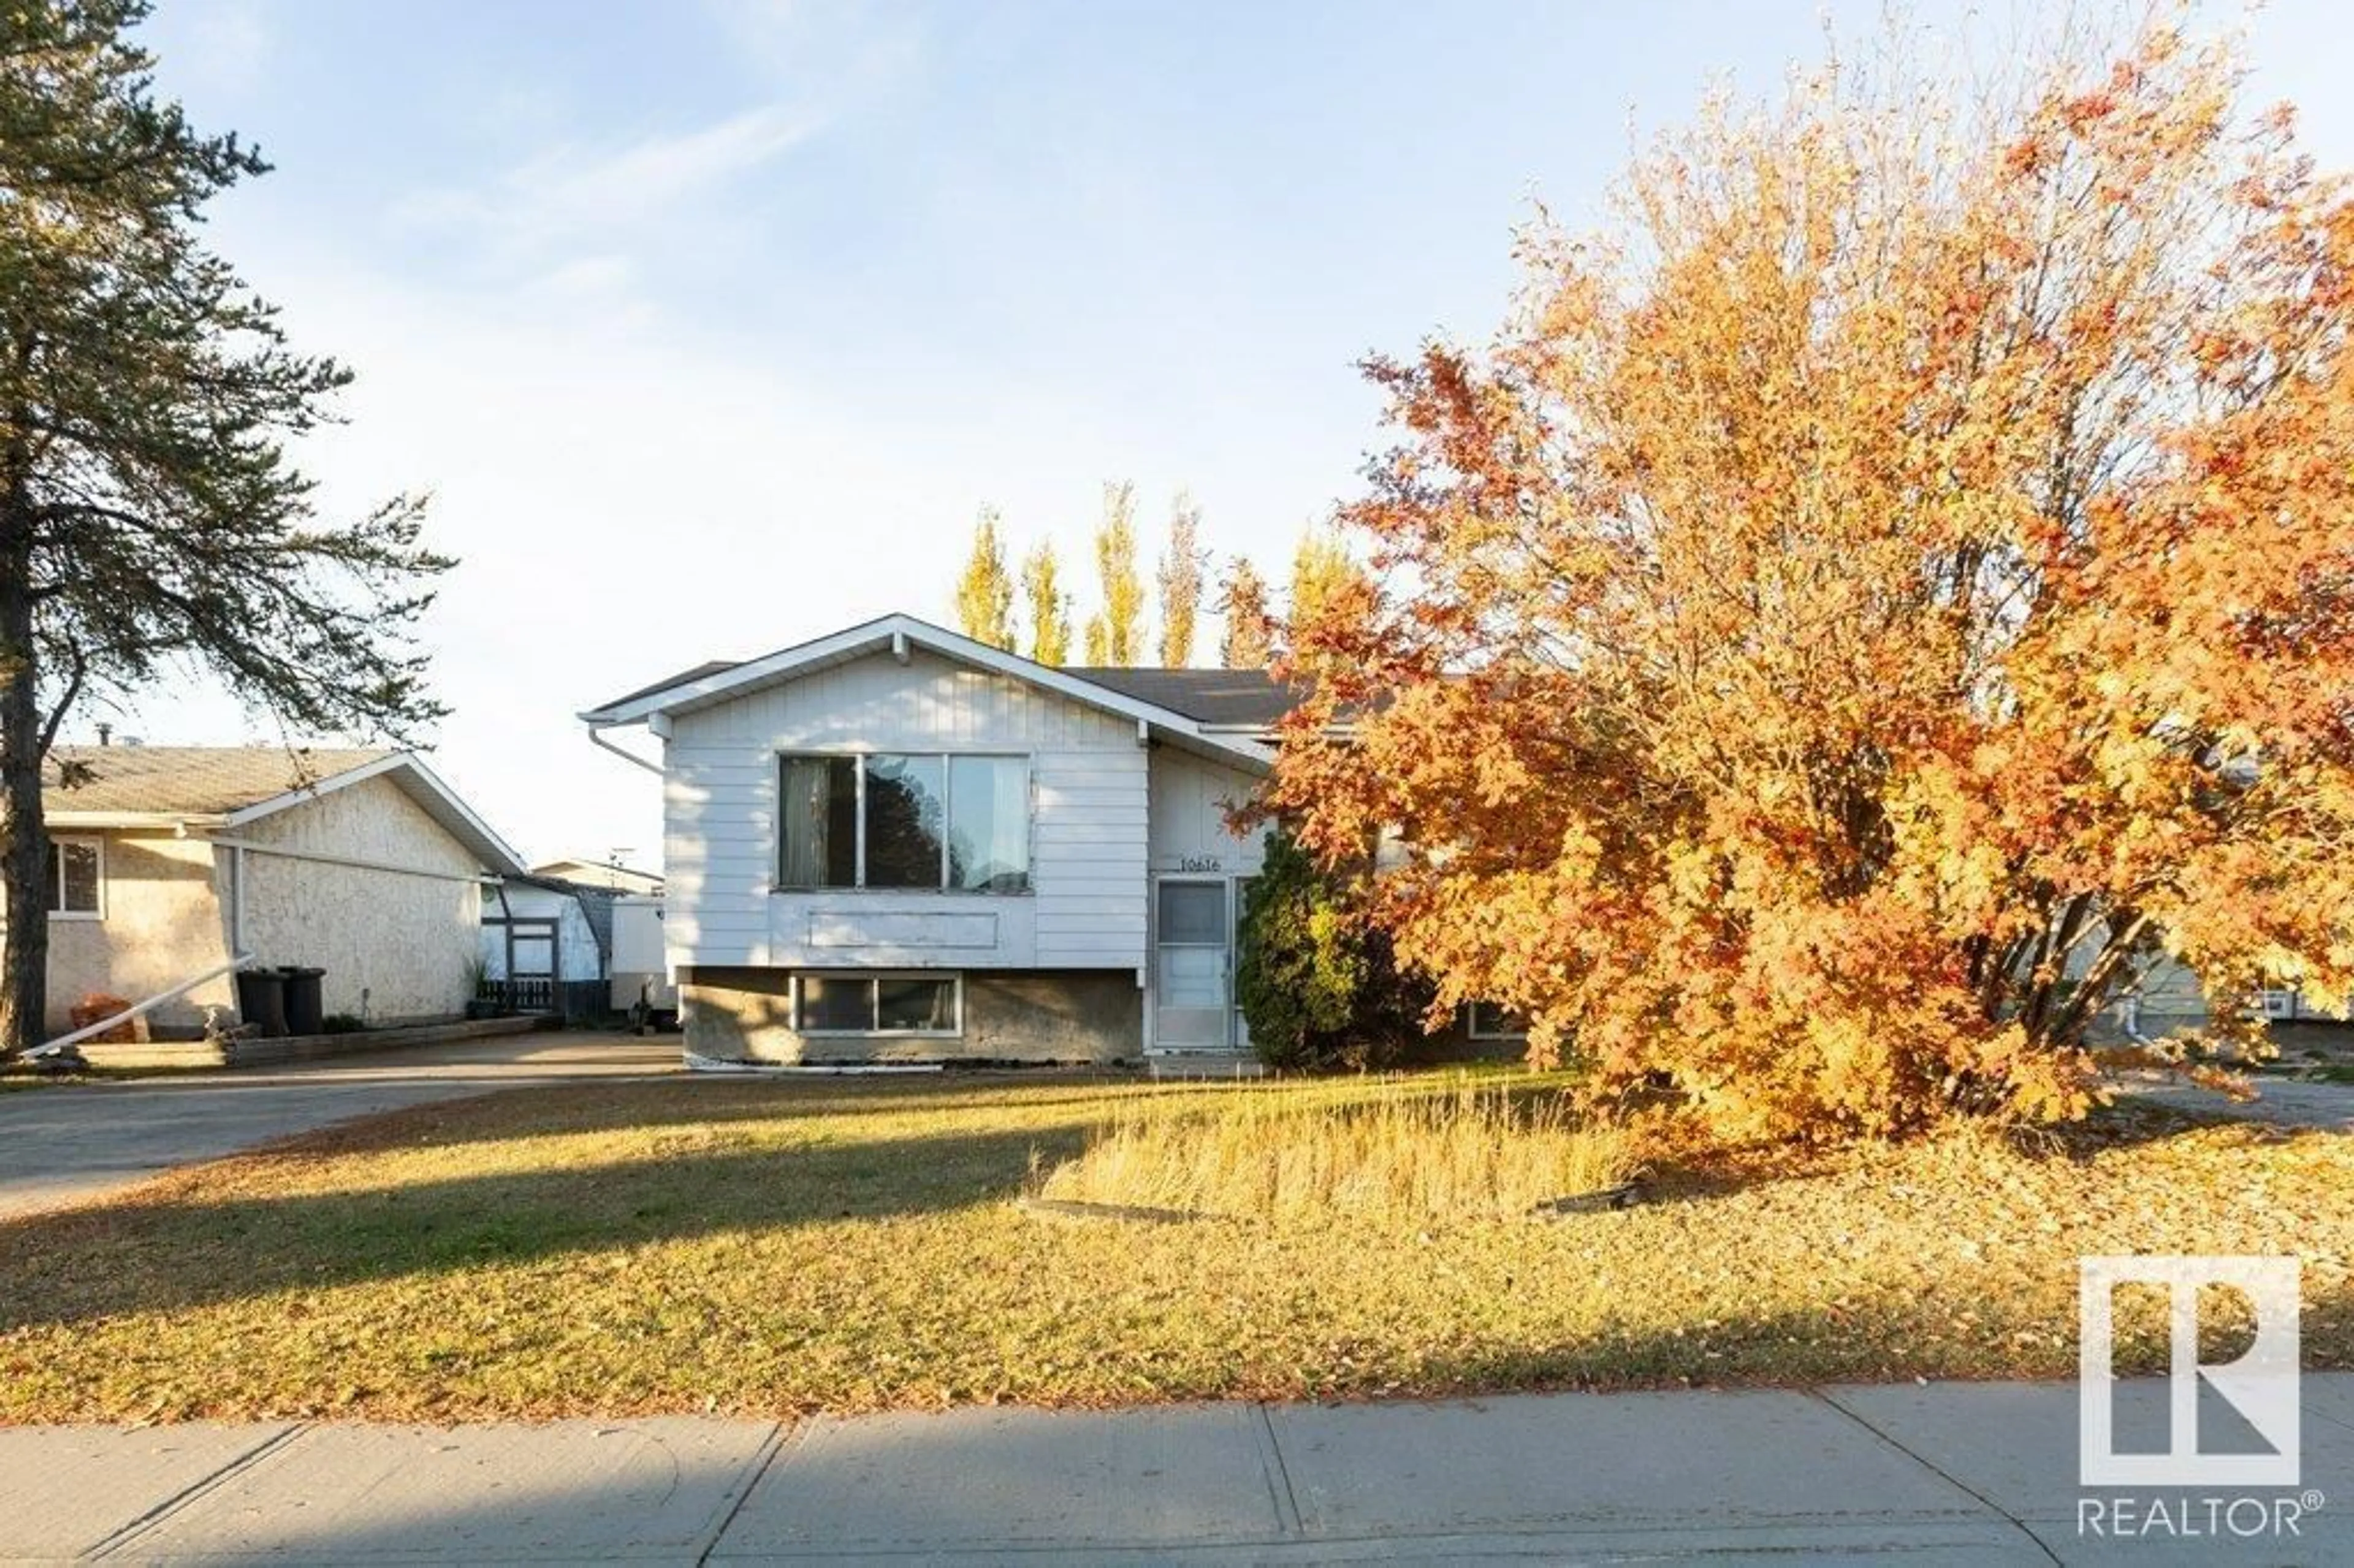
{"points": [[1088, 793], [1190, 799]]}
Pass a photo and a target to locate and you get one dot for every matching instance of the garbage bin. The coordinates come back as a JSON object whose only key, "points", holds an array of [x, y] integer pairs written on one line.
{"points": [[262, 1001], [304, 1015]]}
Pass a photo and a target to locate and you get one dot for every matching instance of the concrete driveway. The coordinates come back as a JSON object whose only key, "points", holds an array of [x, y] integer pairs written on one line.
{"points": [[2286, 1102], [78, 1141]]}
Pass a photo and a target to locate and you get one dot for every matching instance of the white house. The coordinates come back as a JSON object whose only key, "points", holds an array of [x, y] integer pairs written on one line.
{"points": [[641, 970], [895, 843]]}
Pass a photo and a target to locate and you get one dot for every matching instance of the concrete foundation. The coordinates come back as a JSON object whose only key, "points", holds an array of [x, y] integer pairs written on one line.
{"points": [[1029, 1015]]}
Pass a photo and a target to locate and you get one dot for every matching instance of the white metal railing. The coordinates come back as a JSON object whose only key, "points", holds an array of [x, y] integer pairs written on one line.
{"points": [[136, 1008]]}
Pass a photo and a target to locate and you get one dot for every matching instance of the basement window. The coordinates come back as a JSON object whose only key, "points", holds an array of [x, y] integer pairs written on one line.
{"points": [[917, 1004], [77, 879]]}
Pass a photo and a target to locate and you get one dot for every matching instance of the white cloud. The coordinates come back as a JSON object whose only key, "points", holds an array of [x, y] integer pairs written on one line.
{"points": [[582, 201], [569, 195]]}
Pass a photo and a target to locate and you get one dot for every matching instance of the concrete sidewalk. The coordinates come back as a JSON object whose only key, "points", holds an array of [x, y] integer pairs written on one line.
{"points": [[1943, 1474]]}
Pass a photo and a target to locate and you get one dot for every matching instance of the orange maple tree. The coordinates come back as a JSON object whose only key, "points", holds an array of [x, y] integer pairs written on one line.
{"points": [[1874, 600]]}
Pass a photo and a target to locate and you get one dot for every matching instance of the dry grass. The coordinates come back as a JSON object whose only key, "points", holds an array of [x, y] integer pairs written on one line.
{"points": [[767, 1248], [1469, 1148]]}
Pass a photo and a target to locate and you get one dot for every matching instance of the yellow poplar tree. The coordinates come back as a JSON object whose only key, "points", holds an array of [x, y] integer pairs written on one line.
{"points": [[1180, 578], [1246, 635], [1115, 632], [1321, 568], [985, 595], [1049, 606], [1322, 572]]}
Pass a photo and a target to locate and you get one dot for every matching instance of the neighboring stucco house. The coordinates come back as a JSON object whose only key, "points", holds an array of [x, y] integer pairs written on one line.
{"points": [[168, 862], [895, 843]]}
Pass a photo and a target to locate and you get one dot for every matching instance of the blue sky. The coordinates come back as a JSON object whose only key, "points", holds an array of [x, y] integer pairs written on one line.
{"points": [[711, 325]]}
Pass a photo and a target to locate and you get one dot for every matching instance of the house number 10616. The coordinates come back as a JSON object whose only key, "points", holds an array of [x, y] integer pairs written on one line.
{"points": [[1199, 862]]}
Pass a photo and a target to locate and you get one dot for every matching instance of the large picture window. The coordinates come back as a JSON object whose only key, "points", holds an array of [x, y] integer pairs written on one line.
{"points": [[77, 879], [878, 1004], [923, 821]]}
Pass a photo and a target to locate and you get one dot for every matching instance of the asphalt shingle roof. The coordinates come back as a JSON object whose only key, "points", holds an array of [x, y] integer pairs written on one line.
{"points": [[188, 780], [708, 667], [1205, 696]]}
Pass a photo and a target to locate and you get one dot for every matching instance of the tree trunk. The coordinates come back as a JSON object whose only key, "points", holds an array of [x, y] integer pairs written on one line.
{"points": [[24, 840]]}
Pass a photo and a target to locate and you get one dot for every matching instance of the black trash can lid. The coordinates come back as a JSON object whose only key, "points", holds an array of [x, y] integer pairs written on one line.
{"points": [[299, 971]]}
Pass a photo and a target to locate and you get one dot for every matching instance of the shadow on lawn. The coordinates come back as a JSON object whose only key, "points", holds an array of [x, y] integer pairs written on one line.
{"points": [[181, 1243], [571, 1109], [1884, 1341], [178, 1252]]}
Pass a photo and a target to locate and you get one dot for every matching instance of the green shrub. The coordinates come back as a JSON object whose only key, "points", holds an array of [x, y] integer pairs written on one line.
{"points": [[1318, 982]]}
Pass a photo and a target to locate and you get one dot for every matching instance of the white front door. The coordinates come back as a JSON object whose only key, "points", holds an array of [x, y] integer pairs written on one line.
{"points": [[1192, 966]]}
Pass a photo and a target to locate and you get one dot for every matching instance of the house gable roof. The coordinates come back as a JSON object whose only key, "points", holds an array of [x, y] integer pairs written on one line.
{"points": [[186, 780], [697, 672], [1219, 699], [722, 680], [229, 786]]}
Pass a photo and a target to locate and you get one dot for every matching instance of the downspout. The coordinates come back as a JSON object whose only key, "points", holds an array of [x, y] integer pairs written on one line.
{"points": [[658, 724], [596, 739]]}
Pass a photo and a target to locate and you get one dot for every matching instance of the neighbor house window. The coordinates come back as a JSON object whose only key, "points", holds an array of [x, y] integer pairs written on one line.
{"points": [[76, 878], [1490, 1022], [925, 821], [878, 1004]]}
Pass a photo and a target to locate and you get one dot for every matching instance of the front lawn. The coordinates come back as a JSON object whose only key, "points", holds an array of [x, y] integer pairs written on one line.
{"points": [[771, 1247]]}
